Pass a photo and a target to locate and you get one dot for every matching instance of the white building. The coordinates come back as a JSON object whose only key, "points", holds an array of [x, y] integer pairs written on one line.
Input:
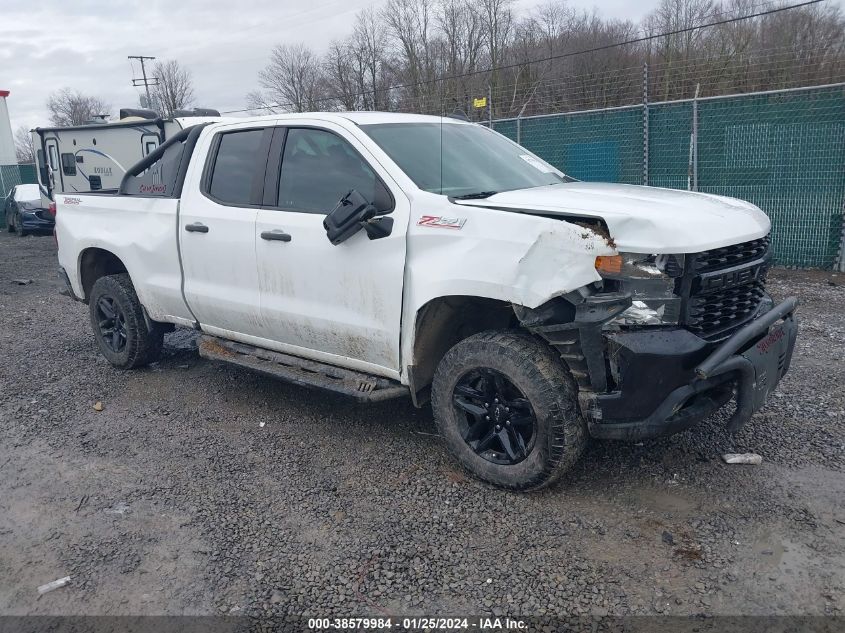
{"points": [[7, 141]]}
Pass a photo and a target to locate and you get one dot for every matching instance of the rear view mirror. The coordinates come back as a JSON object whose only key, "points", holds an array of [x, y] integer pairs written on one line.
{"points": [[353, 213]]}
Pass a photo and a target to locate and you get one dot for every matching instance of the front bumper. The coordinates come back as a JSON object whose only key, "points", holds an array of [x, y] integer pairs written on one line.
{"points": [[668, 380]]}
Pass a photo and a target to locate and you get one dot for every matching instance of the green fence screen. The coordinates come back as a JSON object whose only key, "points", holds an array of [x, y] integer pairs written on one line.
{"points": [[783, 151]]}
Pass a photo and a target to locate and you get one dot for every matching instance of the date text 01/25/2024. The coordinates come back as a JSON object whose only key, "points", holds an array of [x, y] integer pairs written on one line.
{"points": [[418, 623]]}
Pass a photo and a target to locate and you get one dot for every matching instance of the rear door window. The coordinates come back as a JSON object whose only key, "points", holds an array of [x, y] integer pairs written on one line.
{"points": [[237, 167]]}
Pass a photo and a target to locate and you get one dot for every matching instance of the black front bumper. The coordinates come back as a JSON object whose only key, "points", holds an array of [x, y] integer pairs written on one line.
{"points": [[668, 380]]}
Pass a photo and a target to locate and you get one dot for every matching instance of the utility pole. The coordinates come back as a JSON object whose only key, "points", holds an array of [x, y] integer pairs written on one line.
{"points": [[152, 81]]}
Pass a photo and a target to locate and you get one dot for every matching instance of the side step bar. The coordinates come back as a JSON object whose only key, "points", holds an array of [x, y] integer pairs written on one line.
{"points": [[300, 371]]}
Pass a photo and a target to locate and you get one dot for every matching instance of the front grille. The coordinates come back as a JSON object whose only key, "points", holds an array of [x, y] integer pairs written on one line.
{"points": [[722, 288], [729, 256]]}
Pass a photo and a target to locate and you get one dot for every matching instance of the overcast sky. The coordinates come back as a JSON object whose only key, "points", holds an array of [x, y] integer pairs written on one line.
{"points": [[50, 44]]}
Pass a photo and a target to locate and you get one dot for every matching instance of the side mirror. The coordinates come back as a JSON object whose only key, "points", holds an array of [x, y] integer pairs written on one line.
{"points": [[353, 213]]}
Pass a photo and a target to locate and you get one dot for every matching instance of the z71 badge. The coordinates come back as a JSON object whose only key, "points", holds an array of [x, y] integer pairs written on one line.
{"points": [[442, 222]]}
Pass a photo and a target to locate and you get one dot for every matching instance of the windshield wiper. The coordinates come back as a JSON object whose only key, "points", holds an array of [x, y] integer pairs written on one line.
{"points": [[476, 196]]}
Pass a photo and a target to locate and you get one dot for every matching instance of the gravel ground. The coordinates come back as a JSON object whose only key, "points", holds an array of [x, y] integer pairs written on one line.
{"points": [[174, 499]]}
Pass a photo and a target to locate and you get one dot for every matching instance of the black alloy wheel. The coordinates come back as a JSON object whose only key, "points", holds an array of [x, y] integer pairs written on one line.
{"points": [[125, 335], [112, 323], [498, 422], [506, 407]]}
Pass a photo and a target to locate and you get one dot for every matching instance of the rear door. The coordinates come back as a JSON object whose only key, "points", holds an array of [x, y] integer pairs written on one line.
{"points": [[217, 229], [53, 171], [340, 304]]}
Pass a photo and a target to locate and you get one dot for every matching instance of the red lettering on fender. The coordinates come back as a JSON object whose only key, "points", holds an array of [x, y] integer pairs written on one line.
{"points": [[442, 222]]}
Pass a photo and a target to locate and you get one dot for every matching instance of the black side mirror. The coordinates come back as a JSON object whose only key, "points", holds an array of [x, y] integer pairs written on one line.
{"points": [[353, 213]]}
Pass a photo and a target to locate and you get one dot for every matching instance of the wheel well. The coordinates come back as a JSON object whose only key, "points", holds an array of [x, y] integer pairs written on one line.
{"points": [[444, 321], [95, 263]]}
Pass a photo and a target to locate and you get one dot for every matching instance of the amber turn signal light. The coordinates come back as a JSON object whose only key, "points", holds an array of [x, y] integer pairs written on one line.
{"points": [[610, 265]]}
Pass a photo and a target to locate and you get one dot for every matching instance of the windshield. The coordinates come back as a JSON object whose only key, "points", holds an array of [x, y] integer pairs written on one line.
{"points": [[461, 160]]}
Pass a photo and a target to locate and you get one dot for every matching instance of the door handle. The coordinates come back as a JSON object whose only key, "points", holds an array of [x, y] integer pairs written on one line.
{"points": [[196, 227], [275, 236]]}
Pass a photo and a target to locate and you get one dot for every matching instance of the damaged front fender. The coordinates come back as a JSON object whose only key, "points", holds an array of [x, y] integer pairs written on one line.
{"points": [[525, 260]]}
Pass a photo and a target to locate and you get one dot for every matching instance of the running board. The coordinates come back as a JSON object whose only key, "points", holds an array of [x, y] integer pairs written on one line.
{"points": [[300, 371]]}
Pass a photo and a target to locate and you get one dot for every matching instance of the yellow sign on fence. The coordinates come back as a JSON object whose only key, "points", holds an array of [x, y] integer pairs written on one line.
{"points": [[480, 103]]}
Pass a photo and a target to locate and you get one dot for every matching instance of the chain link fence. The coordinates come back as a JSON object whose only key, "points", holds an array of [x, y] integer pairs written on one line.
{"points": [[12, 175], [781, 150]]}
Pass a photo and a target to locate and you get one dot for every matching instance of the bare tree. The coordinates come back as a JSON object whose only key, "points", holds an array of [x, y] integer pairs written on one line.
{"points": [[174, 89], [24, 150], [370, 52], [71, 107], [293, 79], [408, 23], [497, 20], [460, 31], [437, 55], [339, 68]]}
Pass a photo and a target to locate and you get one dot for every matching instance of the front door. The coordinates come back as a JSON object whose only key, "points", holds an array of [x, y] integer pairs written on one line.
{"points": [[217, 230], [339, 304]]}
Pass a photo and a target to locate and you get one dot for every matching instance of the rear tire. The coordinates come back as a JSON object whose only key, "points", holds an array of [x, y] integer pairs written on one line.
{"points": [[491, 439], [120, 328]]}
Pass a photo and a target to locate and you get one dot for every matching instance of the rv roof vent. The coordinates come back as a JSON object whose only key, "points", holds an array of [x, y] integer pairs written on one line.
{"points": [[98, 119], [141, 113], [195, 112]]}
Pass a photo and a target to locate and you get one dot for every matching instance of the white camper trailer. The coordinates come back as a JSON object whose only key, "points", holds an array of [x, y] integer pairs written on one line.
{"points": [[95, 156]]}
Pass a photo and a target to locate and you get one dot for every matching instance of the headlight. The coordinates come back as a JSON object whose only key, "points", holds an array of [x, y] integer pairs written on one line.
{"points": [[651, 281], [638, 266]]}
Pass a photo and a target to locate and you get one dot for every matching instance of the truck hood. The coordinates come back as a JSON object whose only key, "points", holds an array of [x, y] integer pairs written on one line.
{"points": [[643, 219]]}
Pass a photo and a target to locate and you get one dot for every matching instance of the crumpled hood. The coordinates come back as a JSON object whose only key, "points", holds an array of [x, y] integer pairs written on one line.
{"points": [[644, 219]]}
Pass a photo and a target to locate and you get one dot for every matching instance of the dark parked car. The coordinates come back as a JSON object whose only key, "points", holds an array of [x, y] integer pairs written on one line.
{"points": [[25, 213]]}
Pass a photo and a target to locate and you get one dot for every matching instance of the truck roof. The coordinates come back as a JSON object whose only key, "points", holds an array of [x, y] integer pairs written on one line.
{"points": [[359, 118]]}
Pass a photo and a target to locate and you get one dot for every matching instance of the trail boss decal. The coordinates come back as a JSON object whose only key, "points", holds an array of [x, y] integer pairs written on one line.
{"points": [[153, 189], [73, 201], [442, 222]]}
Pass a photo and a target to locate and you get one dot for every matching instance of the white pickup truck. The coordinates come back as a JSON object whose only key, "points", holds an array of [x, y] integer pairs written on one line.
{"points": [[381, 255]]}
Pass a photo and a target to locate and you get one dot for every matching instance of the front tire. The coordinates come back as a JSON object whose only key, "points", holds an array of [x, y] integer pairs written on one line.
{"points": [[507, 408], [117, 319]]}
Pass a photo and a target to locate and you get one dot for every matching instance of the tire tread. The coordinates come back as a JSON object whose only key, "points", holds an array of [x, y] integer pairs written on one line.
{"points": [[539, 362], [146, 346]]}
